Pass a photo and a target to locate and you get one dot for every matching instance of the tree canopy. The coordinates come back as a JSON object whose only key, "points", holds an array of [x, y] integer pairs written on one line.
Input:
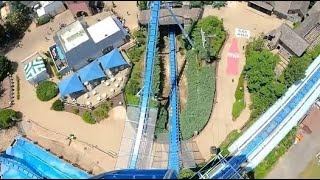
{"points": [[215, 36], [6, 116], [5, 67]]}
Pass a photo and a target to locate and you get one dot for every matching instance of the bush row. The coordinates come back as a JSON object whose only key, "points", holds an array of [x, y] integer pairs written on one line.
{"points": [[201, 91], [18, 87], [200, 76]]}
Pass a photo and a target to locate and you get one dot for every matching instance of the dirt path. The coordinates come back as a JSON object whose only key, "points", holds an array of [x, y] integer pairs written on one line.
{"points": [[236, 15]]}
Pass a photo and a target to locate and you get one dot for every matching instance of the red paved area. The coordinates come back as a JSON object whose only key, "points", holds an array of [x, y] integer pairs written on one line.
{"points": [[233, 58]]}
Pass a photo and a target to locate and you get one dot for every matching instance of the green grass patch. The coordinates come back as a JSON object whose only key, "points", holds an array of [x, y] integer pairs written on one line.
{"points": [[239, 104], [237, 108], [268, 163], [231, 137]]}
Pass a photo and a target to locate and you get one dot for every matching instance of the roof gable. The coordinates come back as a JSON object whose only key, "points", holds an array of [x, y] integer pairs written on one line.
{"points": [[70, 85], [91, 72], [112, 59]]}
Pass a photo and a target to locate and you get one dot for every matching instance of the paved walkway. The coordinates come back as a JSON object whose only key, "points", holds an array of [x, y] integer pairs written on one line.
{"points": [[298, 157], [236, 15]]}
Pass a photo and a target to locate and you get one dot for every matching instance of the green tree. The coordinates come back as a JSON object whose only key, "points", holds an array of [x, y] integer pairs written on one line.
{"points": [[3, 37], [101, 112], [88, 118], [6, 116], [5, 67], [143, 5], [17, 20], [47, 90], [215, 36], [57, 105], [295, 70]]}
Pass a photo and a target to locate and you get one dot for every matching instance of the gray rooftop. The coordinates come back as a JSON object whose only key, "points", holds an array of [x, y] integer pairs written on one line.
{"points": [[292, 40], [77, 57], [315, 8], [165, 17], [264, 4], [309, 23], [284, 6], [300, 5]]}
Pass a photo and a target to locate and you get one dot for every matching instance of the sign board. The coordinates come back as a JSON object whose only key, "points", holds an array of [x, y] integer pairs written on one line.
{"points": [[242, 33]]}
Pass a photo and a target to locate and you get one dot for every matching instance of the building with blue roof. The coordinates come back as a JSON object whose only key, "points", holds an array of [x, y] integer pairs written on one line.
{"points": [[112, 60], [91, 72], [80, 43], [70, 85]]}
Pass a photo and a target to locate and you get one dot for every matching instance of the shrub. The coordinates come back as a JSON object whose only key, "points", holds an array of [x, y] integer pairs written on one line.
{"points": [[101, 112], [58, 105], [43, 20], [185, 174], [6, 116], [88, 118], [47, 90]]}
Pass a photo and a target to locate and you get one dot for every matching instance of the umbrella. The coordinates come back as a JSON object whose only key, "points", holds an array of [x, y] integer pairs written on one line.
{"points": [[112, 90], [86, 83], [104, 95], [117, 85], [86, 95], [113, 79], [94, 92], [88, 103], [107, 83], [120, 79], [98, 98]]}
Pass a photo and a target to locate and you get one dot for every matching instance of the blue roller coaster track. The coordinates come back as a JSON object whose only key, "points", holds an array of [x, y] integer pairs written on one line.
{"points": [[174, 146], [147, 87]]}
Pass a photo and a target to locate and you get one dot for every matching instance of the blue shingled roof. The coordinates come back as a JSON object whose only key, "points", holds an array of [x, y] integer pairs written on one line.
{"points": [[112, 59], [91, 72], [70, 85]]}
